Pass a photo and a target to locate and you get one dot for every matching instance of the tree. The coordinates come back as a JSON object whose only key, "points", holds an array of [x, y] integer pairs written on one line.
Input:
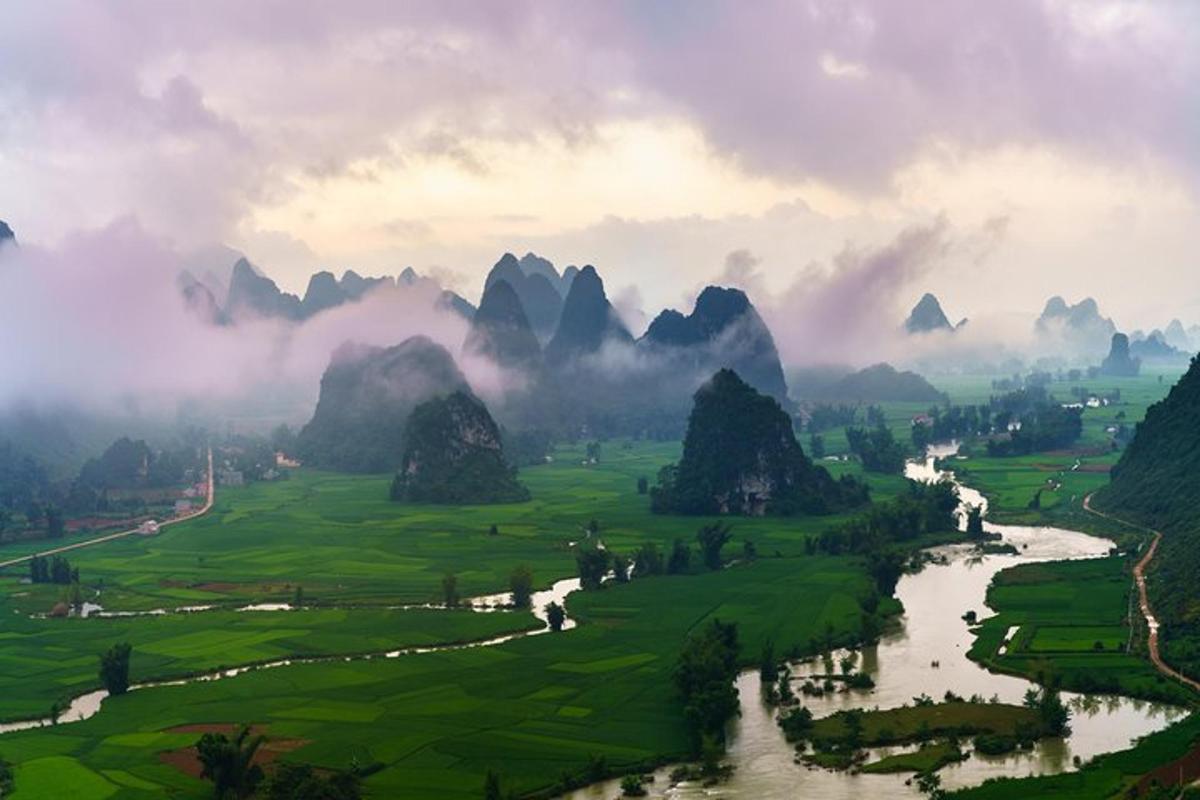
{"points": [[975, 522], [648, 561], [493, 531], [749, 550], [681, 558], [114, 668], [301, 782], [521, 585], [705, 678], [592, 563], [643, 485], [712, 538], [491, 786], [298, 597], [768, 666], [229, 763], [450, 590], [556, 615]]}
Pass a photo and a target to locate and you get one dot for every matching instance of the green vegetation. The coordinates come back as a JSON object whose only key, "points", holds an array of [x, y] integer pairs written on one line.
{"points": [[1155, 484], [928, 758], [1108, 776], [453, 456], [114, 668], [1072, 630], [923, 722], [740, 456]]}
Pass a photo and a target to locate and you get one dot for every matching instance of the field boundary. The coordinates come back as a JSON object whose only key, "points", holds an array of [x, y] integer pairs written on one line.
{"points": [[208, 504]]}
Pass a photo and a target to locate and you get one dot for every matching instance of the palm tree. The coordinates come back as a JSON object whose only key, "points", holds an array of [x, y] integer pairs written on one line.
{"points": [[229, 763]]}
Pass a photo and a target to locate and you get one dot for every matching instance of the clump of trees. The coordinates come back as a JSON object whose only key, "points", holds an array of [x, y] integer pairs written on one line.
{"points": [[450, 596], [923, 508], [877, 448], [53, 570], [301, 782], [556, 615], [712, 538], [114, 668], [229, 763], [592, 563], [705, 677]]}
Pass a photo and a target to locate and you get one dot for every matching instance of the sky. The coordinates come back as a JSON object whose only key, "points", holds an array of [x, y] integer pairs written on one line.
{"points": [[1048, 147]]}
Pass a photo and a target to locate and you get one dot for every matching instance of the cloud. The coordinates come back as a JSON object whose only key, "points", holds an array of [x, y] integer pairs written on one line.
{"points": [[99, 322]]}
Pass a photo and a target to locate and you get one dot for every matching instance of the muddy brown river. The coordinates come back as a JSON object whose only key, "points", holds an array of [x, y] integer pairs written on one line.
{"points": [[902, 665]]}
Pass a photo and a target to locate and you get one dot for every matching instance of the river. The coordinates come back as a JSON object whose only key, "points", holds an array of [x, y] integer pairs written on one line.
{"points": [[902, 665]]}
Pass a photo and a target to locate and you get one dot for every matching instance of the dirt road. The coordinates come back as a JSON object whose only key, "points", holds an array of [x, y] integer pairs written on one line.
{"points": [[208, 503], [1139, 577]]}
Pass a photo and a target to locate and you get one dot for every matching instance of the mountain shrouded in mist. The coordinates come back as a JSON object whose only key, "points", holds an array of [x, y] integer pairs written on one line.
{"points": [[323, 292], [740, 456], [500, 330], [1080, 326], [1118, 362], [367, 395], [453, 455], [881, 383], [588, 321], [251, 294], [6, 234], [533, 264], [927, 316], [1154, 349], [723, 330], [536, 288]]}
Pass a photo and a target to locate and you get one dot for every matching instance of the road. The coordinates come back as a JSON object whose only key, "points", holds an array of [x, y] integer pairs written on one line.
{"points": [[208, 504], [1139, 577]]}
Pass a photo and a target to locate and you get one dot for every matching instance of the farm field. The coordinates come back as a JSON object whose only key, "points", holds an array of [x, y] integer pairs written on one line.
{"points": [[430, 724], [1072, 628], [533, 709]]}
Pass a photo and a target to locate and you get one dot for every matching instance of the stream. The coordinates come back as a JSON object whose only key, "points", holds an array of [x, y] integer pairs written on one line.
{"points": [[924, 654], [930, 631]]}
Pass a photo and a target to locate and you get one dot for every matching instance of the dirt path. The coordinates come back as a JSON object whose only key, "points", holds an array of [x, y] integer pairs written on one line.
{"points": [[1139, 577], [208, 504]]}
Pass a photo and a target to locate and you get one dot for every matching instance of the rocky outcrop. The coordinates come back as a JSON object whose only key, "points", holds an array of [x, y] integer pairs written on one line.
{"points": [[740, 456], [367, 395], [1154, 349], [927, 316], [1119, 362], [723, 330], [453, 455]]}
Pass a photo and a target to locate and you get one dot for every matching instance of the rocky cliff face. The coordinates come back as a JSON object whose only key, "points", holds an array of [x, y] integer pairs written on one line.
{"points": [[1119, 362], [500, 330], [367, 395], [723, 330], [927, 315], [740, 456], [453, 454]]}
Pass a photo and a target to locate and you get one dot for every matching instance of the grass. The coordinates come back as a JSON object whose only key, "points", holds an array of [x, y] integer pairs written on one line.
{"points": [[533, 709], [912, 723], [1063, 610], [1108, 776], [929, 758]]}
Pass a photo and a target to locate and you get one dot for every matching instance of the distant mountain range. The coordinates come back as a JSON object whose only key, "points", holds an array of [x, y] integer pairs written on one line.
{"points": [[252, 295]]}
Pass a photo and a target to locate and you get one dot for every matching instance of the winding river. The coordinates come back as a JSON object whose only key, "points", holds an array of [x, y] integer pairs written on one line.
{"points": [[931, 631], [925, 654]]}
